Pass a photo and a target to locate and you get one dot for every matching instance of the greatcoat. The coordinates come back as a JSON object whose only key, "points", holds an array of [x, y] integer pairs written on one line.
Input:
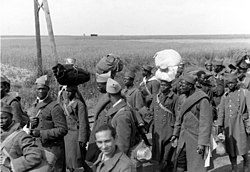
{"points": [[193, 127], [53, 127], [78, 131], [232, 110], [162, 108], [22, 149]]}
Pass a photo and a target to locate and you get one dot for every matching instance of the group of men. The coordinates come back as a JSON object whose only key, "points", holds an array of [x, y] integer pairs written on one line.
{"points": [[179, 114]]}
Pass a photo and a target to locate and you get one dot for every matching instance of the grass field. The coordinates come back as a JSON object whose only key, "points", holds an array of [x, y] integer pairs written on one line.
{"points": [[18, 58]]}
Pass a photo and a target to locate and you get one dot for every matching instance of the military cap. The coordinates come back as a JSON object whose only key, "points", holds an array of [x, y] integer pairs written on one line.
{"points": [[70, 60], [218, 62], [43, 80], [6, 108], [102, 78], [5, 79], [189, 78], [208, 62], [147, 68], [129, 74], [112, 86]]}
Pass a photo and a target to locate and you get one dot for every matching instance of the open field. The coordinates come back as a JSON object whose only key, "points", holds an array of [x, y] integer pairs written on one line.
{"points": [[18, 54]]}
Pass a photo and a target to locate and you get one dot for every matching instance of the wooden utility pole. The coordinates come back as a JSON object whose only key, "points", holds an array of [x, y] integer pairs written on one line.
{"points": [[44, 5], [50, 30], [38, 40]]}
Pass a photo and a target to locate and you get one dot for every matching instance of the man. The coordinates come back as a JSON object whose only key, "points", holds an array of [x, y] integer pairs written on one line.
{"points": [[218, 81], [150, 85], [232, 111], [133, 95], [209, 65], [192, 127], [20, 153], [100, 117], [121, 117], [13, 100], [78, 130], [111, 158], [243, 64], [48, 123], [162, 108]]}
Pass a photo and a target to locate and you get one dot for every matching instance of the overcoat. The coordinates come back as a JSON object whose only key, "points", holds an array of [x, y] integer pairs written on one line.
{"points": [[193, 127], [53, 127], [231, 111], [25, 153], [134, 97], [120, 117], [162, 108], [118, 163], [78, 131]]}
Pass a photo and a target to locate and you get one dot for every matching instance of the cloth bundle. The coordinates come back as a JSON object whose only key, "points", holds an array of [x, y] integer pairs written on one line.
{"points": [[108, 63]]}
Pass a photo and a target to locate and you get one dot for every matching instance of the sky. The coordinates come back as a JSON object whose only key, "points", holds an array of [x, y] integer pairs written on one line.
{"points": [[128, 17]]}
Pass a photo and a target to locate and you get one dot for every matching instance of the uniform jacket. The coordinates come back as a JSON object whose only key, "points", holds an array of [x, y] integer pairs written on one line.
{"points": [[14, 101], [53, 127], [77, 119], [134, 97], [121, 119], [193, 126], [163, 123], [218, 87], [22, 149], [231, 111], [246, 82], [118, 163]]}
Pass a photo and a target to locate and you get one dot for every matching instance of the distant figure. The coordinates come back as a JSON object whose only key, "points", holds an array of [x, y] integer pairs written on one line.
{"points": [[12, 99], [243, 71], [209, 65], [233, 109], [18, 149], [149, 85], [111, 159]]}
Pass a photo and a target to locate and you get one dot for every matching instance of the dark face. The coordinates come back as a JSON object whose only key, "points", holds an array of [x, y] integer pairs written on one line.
{"points": [[185, 86], [165, 86], [202, 79], [101, 87], [3, 89], [145, 73], [128, 81], [70, 94], [6, 120], [232, 84], [42, 91], [218, 68], [209, 67]]}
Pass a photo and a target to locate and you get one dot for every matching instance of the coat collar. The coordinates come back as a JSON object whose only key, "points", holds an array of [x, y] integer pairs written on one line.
{"points": [[110, 163], [115, 109], [130, 91], [44, 103]]}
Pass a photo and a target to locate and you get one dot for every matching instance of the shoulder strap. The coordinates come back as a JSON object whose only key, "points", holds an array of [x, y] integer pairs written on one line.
{"points": [[161, 106], [9, 138]]}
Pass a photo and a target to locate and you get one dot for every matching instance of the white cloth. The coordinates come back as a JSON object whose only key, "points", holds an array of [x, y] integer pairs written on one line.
{"points": [[166, 75]]}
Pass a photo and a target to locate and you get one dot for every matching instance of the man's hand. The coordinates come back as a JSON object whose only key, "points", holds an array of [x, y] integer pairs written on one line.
{"points": [[34, 121], [174, 141], [201, 149], [35, 133], [82, 145]]}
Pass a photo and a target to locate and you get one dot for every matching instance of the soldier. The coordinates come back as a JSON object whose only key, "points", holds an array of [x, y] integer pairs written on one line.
{"points": [[150, 85], [12, 99], [78, 130], [18, 149], [100, 118], [242, 70], [233, 110], [48, 123], [111, 158], [192, 127], [162, 109], [209, 65]]}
